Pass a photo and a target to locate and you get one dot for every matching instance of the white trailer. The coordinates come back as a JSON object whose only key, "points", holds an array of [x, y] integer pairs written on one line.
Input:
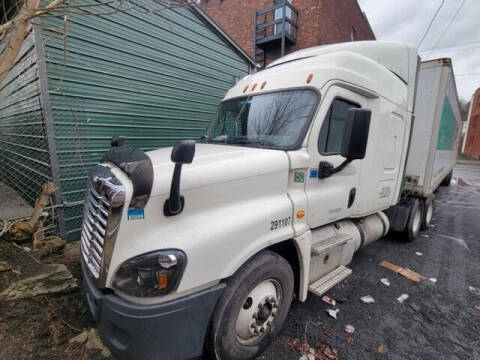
{"points": [[433, 149], [203, 245]]}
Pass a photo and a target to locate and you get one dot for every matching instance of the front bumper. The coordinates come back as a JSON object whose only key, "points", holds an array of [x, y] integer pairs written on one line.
{"points": [[172, 330]]}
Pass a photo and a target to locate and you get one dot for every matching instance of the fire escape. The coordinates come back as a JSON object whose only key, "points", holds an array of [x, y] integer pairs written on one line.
{"points": [[274, 28]]}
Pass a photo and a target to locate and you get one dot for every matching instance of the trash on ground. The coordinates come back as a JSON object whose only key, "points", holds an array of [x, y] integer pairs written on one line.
{"points": [[477, 307], [27, 249], [17, 271], [418, 253], [402, 298], [433, 280], [425, 235], [385, 281], [329, 300], [350, 329], [367, 299], [333, 312], [432, 225], [381, 349], [474, 290], [4, 266], [405, 272], [323, 351]]}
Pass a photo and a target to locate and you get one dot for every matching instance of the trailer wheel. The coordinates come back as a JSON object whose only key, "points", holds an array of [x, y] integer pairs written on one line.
{"points": [[448, 179], [252, 309], [428, 208], [414, 223]]}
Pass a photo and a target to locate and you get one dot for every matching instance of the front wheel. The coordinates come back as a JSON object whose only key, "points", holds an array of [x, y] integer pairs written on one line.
{"points": [[252, 309]]}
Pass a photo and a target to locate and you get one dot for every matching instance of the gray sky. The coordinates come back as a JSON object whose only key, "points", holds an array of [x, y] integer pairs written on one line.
{"points": [[407, 20]]}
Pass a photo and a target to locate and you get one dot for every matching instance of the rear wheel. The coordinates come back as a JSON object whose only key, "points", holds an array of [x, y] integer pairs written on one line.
{"points": [[427, 213], [252, 309], [414, 223], [448, 179]]}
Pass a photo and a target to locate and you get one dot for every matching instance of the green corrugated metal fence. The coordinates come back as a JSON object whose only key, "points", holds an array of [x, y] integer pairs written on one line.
{"points": [[153, 76]]}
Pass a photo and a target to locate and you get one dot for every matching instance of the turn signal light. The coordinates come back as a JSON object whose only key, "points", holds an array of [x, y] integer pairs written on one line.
{"points": [[245, 88], [162, 281], [309, 78], [263, 85], [300, 214]]}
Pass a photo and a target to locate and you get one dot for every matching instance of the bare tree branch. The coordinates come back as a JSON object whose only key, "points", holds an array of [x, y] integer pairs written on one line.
{"points": [[16, 37]]}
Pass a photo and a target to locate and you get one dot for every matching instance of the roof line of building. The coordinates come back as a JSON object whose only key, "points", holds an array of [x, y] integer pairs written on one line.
{"points": [[222, 32]]}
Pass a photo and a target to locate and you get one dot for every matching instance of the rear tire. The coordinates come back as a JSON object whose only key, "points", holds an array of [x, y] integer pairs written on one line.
{"points": [[448, 179], [253, 308], [428, 209], [414, 223]]}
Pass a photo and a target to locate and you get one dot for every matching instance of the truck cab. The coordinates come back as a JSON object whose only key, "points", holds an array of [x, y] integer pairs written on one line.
{"points": [[203, 246]]}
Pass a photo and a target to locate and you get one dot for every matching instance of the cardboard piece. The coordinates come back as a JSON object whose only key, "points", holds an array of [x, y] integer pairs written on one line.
{"points": [[405, 272]]}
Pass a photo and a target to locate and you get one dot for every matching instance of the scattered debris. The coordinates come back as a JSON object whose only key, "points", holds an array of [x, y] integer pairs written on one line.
{"points": [[402, 298], [405, 272], [477, 307], [333, 312], [4, 266], [418, 253], [350, 329], [385, 281], [17, 271], [474, 290], [433, 280], [367, 299], [21, 231], [425, 235], [329, 300], [91, 341], [55, 279], [432, 225], [51, 245], [380, 349], [27, 249]]}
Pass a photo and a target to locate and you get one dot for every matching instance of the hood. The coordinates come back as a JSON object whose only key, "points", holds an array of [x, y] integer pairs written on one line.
{"points": [[215, 163]]}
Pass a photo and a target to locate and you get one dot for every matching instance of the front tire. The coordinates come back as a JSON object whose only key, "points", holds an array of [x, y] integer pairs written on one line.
{"points": [[414, 223], [252, 309]]}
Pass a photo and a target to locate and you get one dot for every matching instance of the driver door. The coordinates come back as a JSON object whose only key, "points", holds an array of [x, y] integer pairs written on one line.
{"points": [[331, 198]]}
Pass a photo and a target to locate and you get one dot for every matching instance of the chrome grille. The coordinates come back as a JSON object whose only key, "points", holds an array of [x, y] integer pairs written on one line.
{"points": [[95, 217]]}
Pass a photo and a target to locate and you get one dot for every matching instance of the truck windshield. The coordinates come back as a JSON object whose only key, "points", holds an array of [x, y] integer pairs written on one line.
{"points": [[273, 120]]}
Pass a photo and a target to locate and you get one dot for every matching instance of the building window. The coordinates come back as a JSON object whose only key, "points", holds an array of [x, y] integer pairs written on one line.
{"points": [[331, 133], [353, 34]]}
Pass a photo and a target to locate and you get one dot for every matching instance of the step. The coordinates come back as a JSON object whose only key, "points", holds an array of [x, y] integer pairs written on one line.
{"points": [[327, 244], [324, 284]]}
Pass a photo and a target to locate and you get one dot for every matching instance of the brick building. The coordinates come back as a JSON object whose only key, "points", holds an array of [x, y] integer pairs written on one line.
{"points": [[471, 142], [288, 24]]}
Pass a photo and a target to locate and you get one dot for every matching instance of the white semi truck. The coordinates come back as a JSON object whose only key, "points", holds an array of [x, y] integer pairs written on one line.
{"points": [[201, 248]]}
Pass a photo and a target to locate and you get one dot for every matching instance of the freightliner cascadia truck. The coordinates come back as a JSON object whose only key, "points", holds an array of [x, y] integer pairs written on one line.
{"points": [[199, 249]]}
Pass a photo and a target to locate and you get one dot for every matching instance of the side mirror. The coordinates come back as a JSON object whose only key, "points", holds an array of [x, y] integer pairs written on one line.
{"points": [[355, 134], [182, 153]]}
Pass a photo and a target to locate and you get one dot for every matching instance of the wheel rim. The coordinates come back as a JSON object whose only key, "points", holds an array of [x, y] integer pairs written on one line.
{"points": [[417, 220], [428, 217], [258, 311]]}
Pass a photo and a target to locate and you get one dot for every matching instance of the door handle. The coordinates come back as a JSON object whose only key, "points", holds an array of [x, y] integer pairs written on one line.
{"points": [[351, 197]]}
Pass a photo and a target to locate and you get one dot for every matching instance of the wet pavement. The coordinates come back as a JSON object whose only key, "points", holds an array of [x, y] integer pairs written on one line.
{"points": [[437, 321]]}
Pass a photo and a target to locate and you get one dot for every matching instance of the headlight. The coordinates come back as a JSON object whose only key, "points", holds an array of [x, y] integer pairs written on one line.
{"points": [[154, 273]]}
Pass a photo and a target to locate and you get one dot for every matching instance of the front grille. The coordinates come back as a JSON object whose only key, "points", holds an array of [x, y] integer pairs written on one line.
{"points": [[95, 217]]}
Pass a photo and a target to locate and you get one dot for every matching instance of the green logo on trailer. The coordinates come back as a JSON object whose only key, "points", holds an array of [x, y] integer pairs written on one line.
{"points": [[448, 127]]}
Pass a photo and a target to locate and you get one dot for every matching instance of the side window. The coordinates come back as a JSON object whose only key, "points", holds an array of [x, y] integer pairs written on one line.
{"points": [[331, 133]]}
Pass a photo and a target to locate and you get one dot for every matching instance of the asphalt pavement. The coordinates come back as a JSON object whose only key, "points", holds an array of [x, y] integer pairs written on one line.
{"points": [[437, 321]]}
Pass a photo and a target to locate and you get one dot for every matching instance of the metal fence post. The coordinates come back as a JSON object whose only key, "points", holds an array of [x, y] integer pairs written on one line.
{"points": [[49, 126]]}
